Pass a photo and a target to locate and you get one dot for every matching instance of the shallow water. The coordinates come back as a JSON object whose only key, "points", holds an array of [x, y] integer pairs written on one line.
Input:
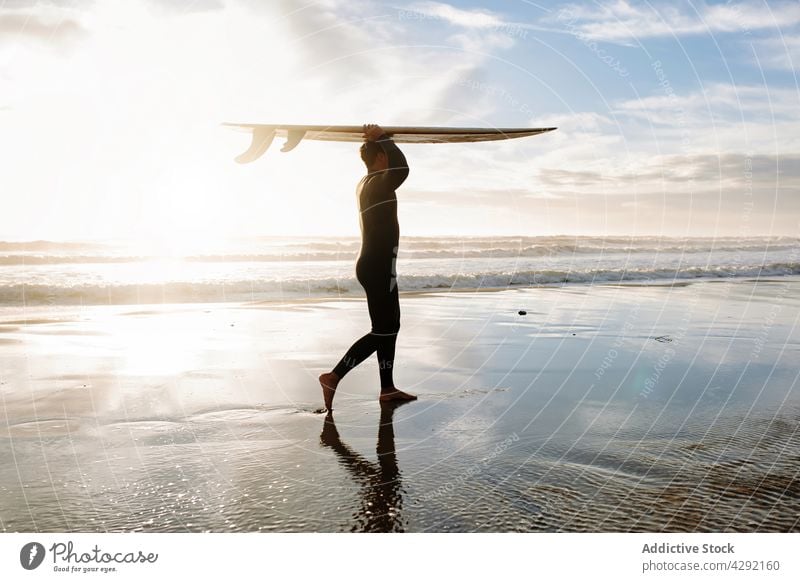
{"points": [[571, 418]]}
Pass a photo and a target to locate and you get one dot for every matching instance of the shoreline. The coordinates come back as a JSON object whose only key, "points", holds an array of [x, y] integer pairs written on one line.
{"points": [[301, 300], [607, 408]]}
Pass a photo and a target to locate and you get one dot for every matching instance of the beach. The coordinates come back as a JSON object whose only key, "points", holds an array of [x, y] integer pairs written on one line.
{"points": [[631, 406]]}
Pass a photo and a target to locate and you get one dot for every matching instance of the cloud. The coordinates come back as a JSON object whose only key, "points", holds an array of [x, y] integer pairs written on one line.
{"points": [[29, 4], [476, 30], [172, 6], [187, 6], [697, 195], [706, 171], [130, 122], [126, 114], [476, 18], [779, 53], [720, 101], [622, 20], [328, 38], [722, 118], [45, 29], [697, 163], [368, 63]]}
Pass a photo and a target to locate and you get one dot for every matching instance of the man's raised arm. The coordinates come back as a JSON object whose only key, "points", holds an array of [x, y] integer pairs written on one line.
{"points": [[397, 172], [397, 169]]}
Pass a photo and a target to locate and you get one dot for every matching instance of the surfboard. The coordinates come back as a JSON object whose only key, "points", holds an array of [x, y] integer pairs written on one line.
{"points": [[263, 135]]}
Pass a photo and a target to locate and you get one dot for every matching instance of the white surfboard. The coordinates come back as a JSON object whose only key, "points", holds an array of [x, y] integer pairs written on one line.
{"points": [[294, 134]]}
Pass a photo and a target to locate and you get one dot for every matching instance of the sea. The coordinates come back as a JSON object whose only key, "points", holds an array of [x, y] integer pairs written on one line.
{"points": [[289, 268], [655, 390]]}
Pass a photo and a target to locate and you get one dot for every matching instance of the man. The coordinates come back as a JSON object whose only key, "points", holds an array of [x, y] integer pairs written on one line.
{"points": [[375, 269]]}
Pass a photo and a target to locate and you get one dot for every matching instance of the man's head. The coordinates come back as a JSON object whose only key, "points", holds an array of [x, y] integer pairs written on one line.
{"points": [[374, 157]]}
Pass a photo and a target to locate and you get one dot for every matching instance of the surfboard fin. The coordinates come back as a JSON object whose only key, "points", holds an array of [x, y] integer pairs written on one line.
{"points": [[262, 139], [293, 137]]}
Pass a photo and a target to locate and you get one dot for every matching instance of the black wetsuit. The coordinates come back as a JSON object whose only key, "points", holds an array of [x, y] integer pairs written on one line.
{"points": [[376, 266]]}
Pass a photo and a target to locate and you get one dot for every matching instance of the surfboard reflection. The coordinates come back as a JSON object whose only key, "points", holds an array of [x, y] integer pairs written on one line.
{"points": [[381, 498]]}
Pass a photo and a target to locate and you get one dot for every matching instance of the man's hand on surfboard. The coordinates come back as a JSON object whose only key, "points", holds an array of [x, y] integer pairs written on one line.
{"points": [[372, 131]]}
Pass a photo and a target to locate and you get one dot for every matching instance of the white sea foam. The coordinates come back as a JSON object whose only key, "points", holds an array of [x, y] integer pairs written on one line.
{"points": [[45, 272]]}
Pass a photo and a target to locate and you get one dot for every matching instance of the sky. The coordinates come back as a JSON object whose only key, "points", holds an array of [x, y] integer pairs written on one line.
{"points": [[674, 118]]}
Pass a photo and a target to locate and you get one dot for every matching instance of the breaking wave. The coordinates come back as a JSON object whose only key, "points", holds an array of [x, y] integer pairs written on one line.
{"points": [[295, 288]]}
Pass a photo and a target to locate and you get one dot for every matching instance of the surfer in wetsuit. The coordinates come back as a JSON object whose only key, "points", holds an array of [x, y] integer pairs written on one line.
{"points": [[376, 266]]}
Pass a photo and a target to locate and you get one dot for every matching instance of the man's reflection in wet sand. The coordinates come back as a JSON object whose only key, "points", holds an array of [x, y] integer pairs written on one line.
{"points": [[381, 499]]}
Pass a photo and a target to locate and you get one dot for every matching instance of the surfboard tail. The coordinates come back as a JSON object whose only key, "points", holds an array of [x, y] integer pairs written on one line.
{"points": [[262, 138]]}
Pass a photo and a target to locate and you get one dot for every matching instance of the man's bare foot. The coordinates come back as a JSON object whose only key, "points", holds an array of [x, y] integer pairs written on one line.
{"points": [[328, 382], [389, 394]]}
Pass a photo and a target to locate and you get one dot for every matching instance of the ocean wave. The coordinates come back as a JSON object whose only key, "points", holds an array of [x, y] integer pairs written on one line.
{"points": [[48, 245], [414, 248], [261, 290], [66, 259]]}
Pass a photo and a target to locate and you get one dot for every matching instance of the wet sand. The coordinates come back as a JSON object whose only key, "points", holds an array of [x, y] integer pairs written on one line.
{"points": [[604, 408]]}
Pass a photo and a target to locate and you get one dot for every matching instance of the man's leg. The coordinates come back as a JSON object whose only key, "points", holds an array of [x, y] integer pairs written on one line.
{"points": [[383, 303], [389, 327], [388, 320], [361, 348], [358, 352], [386, 349]]}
